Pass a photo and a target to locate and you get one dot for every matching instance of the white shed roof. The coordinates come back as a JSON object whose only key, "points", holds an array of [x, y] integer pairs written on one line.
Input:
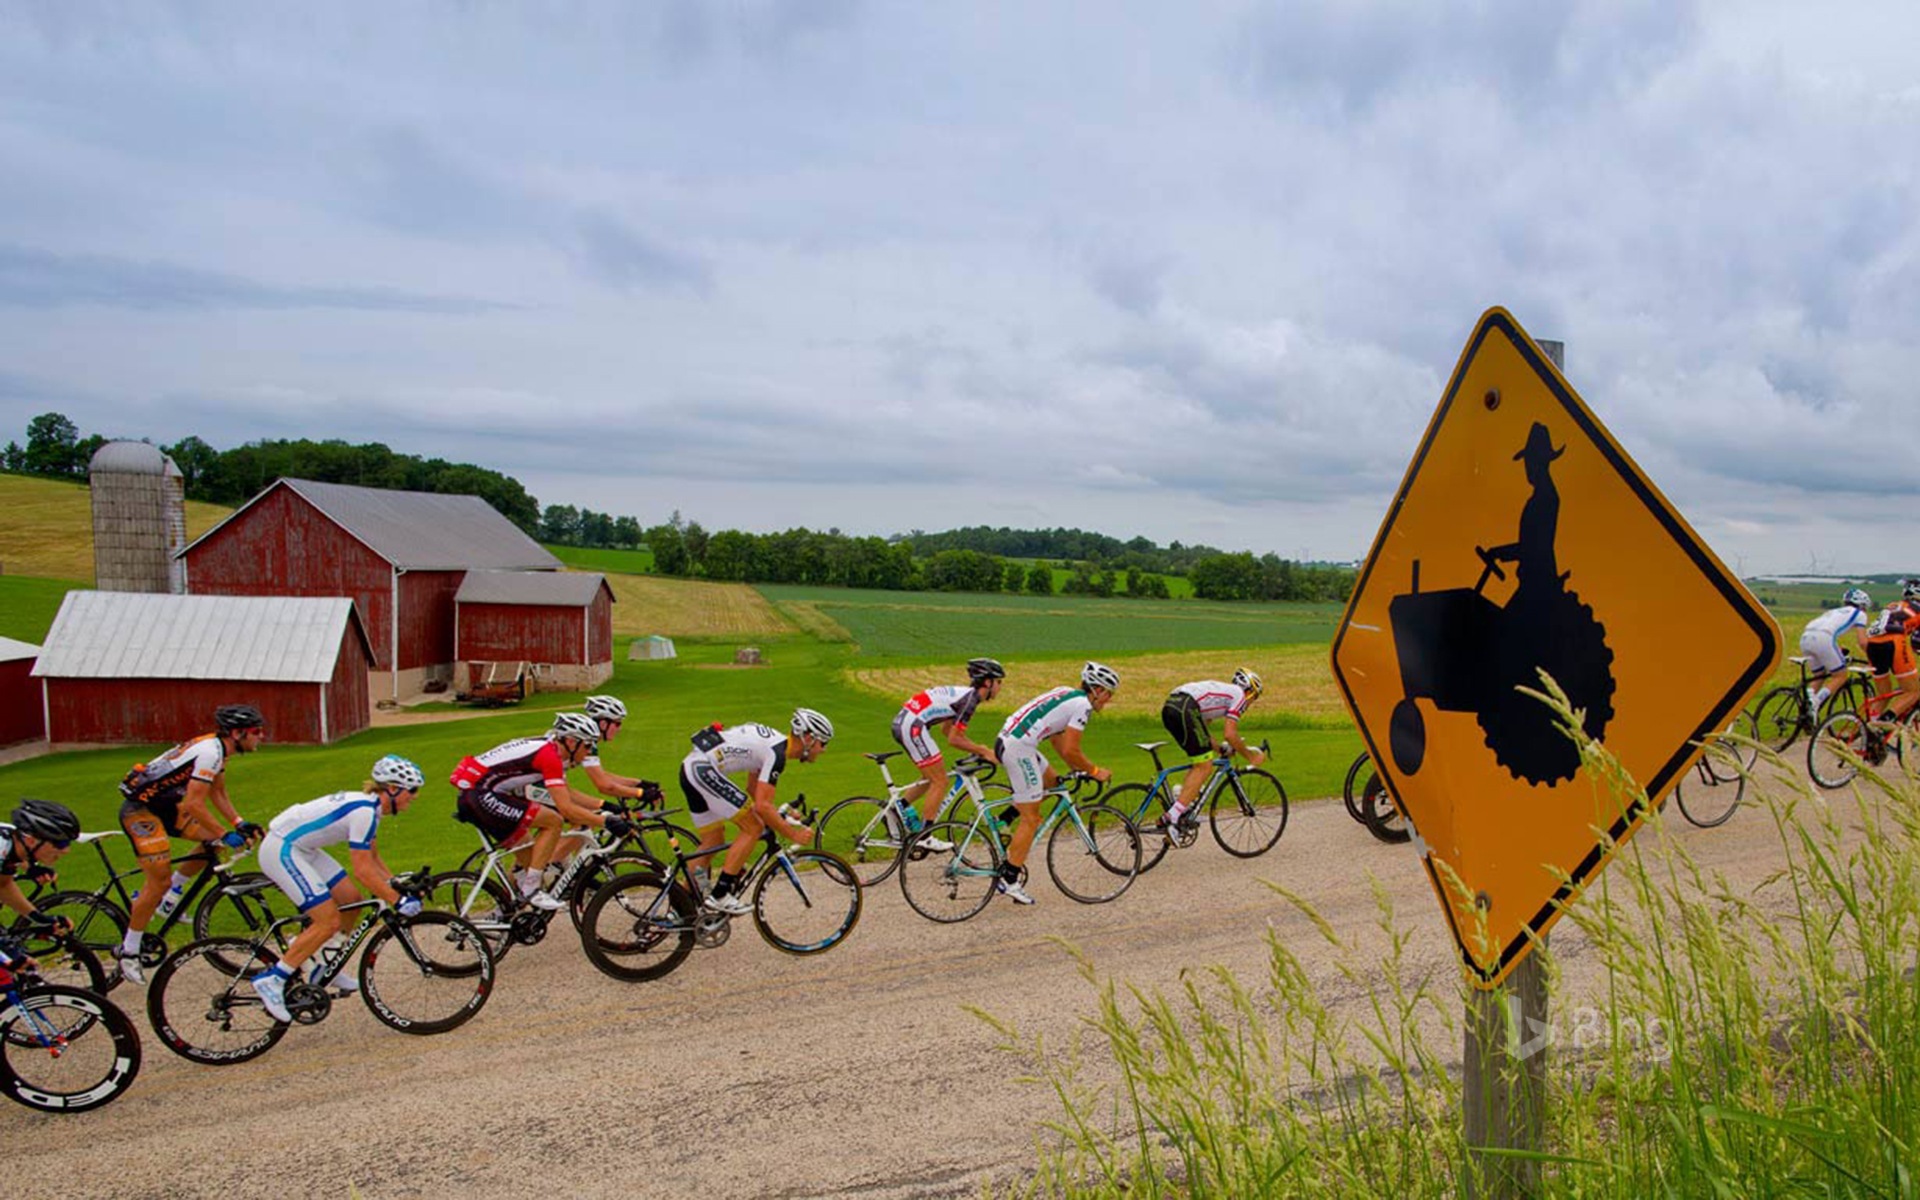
{"points": [[13, 651], [142, 635], [560, 589]]}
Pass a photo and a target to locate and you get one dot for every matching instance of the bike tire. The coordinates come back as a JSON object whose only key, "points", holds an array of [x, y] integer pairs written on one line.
{"points": [[98, 1062], [1136, 800], [1781, 717], [207, 1013], [427, 973], [1835, 751], [1349, 789], [949, 886], [1713, 799], [637, 927], [1253, 816], [1381, 815], [808, 902], [483, 903], [596, 873], [98, 923], [863, 832], [240, 909], [1097, 864], [64, 961], [963, 810], [1731, 755]]}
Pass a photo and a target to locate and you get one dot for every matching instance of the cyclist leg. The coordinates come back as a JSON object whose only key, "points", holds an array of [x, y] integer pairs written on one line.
{"points": [[713, 800], [153, 850], [1824, 657], [1182, 718], [1029, 775], [917, 740]]}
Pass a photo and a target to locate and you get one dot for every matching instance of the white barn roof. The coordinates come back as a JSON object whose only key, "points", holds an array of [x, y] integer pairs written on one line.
{"points": [[14, 651], [140, 635], [570, 589]]}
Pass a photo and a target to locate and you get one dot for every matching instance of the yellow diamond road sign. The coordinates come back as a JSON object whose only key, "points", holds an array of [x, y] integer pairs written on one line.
{"points": [[1524, 539]]}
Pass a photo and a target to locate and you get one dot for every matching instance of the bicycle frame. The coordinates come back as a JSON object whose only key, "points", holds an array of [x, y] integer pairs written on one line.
{"points": [[682, 868], [1223, 768], [115, 890], [985, 825]]}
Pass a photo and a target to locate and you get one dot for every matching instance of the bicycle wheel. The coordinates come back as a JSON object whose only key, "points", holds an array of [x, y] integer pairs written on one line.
{"points": [[208, 1013], [1351, 791], [807, 902], [865, 833], [1781, 717], [1731, 755], [1095, 859], [98, 924], [1146, 808], [953, 884], [638, 928], [65, 961], [426, 973], [655, 840], [993, 796], [1248, 812], [1837, 748], [594, 876], [243, 907], [66, 1049], [1381, 815], [482, 903]]}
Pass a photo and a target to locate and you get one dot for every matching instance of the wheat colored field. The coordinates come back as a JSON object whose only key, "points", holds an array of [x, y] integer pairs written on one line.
{"points": [[46, 527], [691, 608]]}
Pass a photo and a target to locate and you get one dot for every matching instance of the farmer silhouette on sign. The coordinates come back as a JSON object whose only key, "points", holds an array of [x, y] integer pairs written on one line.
{"points": [[1467, 654]]}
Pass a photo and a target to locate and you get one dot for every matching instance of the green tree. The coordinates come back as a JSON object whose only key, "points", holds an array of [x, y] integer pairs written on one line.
{"points": [[1227, 577], [194, 458], [51, 445], [669, 549], [1014, 579], [1040, 579], [560, 524]]}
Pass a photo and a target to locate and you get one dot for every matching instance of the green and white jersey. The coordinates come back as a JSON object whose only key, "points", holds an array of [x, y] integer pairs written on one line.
{"points": [[1049, 713]]}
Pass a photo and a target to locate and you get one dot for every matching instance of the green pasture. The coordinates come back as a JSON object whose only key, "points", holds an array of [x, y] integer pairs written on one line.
{"points": [[607, 561], [28, 605]]}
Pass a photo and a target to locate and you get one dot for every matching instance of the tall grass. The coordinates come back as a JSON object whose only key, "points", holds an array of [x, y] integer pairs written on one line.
{"points": [[1735, 1042]]}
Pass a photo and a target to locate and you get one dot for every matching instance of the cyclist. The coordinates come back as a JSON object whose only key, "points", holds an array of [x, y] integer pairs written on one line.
{"points": [[952, 706], [38, 833], [1889, 645], [1058, 716], [168, 797], [761, 753], [498, 795], [608, 712], [1186, 714], [1821, 642], [293, 855]]}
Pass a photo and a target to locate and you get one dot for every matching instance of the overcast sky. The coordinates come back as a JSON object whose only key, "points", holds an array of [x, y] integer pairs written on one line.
{"points": [[1197, 271]]}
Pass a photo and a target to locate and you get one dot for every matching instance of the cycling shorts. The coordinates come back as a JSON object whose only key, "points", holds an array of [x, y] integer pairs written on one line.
{"points": [[150, 831], [916, 738], [711, 796], [1026, 769], [1183, 719], [305, 874], [1823, 652], [503, 816], [1890, 655]]}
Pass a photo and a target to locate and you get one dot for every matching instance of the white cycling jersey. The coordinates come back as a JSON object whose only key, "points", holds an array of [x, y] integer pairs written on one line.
{"points": [[350, 817], [1048, 714], [1836, 621], [757, 749], [1217, 699], [956, 703]]}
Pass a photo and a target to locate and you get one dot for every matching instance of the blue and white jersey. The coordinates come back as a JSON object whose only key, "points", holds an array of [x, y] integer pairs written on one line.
{"points": [[350, 817], [1836, 621]]}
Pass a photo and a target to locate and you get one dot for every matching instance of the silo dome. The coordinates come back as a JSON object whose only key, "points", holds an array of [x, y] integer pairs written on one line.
{"points": [[131, 458]]}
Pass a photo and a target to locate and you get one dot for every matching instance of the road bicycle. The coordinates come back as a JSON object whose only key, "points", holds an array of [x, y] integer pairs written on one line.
{"points": [[1367, 802], [1786, 712], [423, 974], [1848, 740], [1710, 790], [643, 924], [1093, 854], [870, 833], [1247, 824], [63, 1049], [218, 901]]}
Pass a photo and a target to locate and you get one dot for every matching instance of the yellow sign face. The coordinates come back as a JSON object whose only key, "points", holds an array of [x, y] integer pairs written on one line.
{"points": [[1522, 540]]}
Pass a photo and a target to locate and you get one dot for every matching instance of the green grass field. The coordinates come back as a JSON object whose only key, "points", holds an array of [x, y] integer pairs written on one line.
{"points": [[611, 562], [28, 605]]}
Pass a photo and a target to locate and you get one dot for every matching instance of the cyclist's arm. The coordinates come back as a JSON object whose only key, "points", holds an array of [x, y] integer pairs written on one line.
{"points": [[571, 810], [957, 738], [13, 897], [1230, 734], [760, 798], [193, 805], [1068, 742], [614, 787], [368, 868]]}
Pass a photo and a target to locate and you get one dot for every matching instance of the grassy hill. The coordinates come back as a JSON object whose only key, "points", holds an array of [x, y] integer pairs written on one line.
{"points": [[46, 527]]}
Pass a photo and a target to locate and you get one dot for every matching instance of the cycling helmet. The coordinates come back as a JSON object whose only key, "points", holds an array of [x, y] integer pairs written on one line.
{"points": [[1858, 598], [48, 820], [231, 718], [808, 723], [399, 772], [979, 670], [1099, 675], [605, 708], [1910, 589], [1250, 681], [576, 725]]}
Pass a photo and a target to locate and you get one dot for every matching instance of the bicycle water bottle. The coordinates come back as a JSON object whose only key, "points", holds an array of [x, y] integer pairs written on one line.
{"points": [[169, 902], [911, 816]]}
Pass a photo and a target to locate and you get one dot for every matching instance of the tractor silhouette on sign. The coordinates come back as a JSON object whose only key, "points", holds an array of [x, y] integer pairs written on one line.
{"points": [[1464, 653]]}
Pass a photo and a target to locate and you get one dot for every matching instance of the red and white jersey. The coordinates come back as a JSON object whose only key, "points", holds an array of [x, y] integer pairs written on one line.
{"points": [[938, 704], [1218, 699], [204, 758], [511, 766]]}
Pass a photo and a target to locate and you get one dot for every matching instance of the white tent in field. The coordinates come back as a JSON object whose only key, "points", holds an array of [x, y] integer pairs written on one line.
{"points": [[650, 647]]}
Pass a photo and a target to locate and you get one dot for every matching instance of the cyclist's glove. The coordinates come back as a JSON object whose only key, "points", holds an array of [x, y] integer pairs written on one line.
{"points": [[618, 825], [409, 906], [40, 873], [250, 831], [40, 922], [650, 794], [233, 838]]}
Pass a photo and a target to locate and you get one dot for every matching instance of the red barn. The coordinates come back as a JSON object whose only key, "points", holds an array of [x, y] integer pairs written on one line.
{"points": [[400, 556], [144, 667], [22, 715], [562, 623]]}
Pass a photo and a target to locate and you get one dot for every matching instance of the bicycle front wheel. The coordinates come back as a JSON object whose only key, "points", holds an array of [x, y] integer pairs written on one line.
{"points": [[426, 974], [638, 928], [206, 1011], [1138, 802], [66, 1049], [807, 902], [1781, 717], [595, 875], [1095, 858], [1835, 752], [98, 924], [1248, 813], [865, 834], [1380, 815], [947, 871], [1351, 791]]}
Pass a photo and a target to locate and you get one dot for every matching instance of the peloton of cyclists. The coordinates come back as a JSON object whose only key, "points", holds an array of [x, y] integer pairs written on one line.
{"points": [[1187, 715], [761, 753], [1058, 716], [1820, 642], [952, 706]]}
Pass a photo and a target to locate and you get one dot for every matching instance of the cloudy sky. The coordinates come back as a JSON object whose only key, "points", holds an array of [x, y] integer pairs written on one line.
{"points": [[1194, 271]]}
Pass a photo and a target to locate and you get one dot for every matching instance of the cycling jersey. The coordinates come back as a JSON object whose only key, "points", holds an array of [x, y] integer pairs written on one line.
{"points": [[7, 866], [292, 856], [1217, 699], [1889, 639], [935, 706], [1048, 714], [511, 766], [1821, 641], [160, 783], [753, 749]]}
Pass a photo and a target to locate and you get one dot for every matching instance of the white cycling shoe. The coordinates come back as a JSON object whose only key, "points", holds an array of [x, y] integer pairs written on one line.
{"points": [[1012, 891], [734, 905], [545, 902], [272, 991]]}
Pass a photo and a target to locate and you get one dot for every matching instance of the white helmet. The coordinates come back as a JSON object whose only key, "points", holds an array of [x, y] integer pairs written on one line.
{"points": [[1249, 682], [1858, 598], [576, 725], [1099, 675], [399, 772], [808, 723], [605, 708]]}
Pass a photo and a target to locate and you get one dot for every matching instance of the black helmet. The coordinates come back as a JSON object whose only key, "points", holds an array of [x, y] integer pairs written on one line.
{"points": [[979, 670], [48, 820], [232, 718]]}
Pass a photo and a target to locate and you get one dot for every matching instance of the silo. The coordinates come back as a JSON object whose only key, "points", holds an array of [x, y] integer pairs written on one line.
{"points": [[139, 519]]}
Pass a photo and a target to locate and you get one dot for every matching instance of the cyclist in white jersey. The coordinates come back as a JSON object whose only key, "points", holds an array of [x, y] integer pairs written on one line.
{"points": [[294, 856], [761, 753], [952, 706], [1188, 715], [1821, 642], [1059, 716]]}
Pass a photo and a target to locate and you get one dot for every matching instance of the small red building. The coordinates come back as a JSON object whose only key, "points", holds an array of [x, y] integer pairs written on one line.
{"points": [[22, 715], [559, 622], [141, 667], [400, 556]]}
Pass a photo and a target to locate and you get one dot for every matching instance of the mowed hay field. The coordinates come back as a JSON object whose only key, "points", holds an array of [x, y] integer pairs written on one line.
{"points": [[46, 527], [691, 608]]}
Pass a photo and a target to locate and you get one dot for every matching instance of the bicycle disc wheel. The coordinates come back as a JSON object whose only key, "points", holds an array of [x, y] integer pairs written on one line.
{"points": [[95, 1058], [1137, 802], [482, 903], [1836, 750], [208, 1013], [1381, 815], [1781, 717], [1095, 859], [953, 884], [865, 834], [426, 974], [807, 902], [245, 906], [1248, 813], [636, 928], [98, 924]]}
